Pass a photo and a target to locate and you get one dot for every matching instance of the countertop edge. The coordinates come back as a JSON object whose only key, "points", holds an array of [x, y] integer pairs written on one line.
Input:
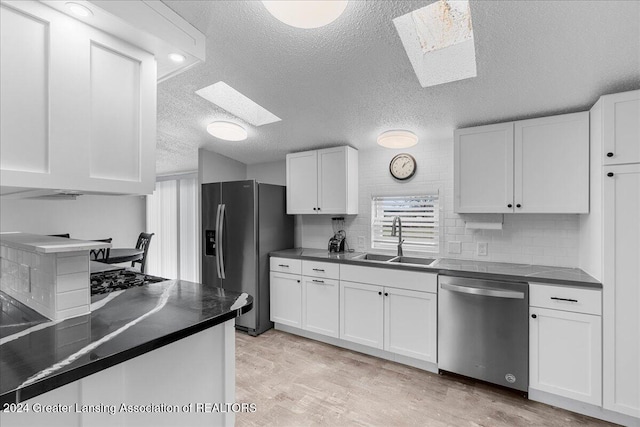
{"points": [[66, 377], [443, 271]]}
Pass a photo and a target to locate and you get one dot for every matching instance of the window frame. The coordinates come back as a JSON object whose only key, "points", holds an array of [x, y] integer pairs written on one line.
{"points": [[431, 206]]}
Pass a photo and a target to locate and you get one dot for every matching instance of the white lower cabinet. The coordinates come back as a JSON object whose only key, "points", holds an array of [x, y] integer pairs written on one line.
{"points": [[320, 305], [565, 354], [286, 297], [394, 310], [396, 320], [309, 302], [409, 323], [362, 314]]}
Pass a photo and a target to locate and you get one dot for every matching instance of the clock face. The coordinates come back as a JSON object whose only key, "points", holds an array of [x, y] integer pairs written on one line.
{"points": [[402, 166]]}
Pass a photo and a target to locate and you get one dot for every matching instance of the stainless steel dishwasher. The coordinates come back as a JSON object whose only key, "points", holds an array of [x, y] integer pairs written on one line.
{"points": [[483, 330]]}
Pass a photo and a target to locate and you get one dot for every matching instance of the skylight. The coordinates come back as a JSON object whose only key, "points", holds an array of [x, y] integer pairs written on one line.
{"points": [[438, 40], [229, 99]]}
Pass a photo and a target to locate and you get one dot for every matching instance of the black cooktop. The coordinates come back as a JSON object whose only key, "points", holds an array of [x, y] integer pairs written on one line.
{"points": [[109, 281]]}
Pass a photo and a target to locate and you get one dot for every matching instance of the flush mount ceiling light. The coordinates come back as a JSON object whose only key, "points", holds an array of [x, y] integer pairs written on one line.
{"points": [[397, 139], [176, 57], [227, 131], [78, 9], [306, 14]]}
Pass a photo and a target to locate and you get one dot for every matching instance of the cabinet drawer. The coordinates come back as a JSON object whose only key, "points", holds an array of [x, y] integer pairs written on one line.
{"points": [[286, 265], [390, 277], [328, 270], [565, 298]]}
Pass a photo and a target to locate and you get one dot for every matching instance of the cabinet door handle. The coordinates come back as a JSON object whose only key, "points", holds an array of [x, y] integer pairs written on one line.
{"points": [[318, 281], [318, 208], [609, 154], [564, 299], [534, 316], [610, 174], [509, 205], [318, 269], [315, 209], [283, 265], [379, 293], [518, 205], [386, 294]]}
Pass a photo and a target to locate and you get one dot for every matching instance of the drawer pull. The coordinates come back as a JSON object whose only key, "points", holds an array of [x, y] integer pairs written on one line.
{"points": [[318, 269], [565, 299], [283, 265], [318, 281]]}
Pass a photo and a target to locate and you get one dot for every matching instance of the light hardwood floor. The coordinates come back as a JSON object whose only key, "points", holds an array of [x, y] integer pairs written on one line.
{"points": [[295, 381]]}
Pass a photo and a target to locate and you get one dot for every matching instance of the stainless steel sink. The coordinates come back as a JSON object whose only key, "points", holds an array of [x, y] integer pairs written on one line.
{"points": [[373, 257], [393, 258], [412, 260]]}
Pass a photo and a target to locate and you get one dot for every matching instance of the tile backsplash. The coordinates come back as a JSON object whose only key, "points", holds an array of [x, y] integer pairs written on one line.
{"points": [[543, 239]]}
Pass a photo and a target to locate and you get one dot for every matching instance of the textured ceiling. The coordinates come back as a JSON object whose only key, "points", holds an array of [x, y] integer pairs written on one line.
{"points": [[347, 82]]}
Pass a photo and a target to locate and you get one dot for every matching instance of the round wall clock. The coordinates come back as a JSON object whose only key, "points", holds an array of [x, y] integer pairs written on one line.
{"points": [[403, 166]]}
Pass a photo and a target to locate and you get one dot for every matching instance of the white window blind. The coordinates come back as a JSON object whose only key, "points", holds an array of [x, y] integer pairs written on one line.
{"points": [[172, 216], [420, 222]]}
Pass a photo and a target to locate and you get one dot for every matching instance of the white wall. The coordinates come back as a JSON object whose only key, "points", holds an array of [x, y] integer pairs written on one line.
{"points": [[544, 239], [214, 167], [88, 217], [268, 173]]}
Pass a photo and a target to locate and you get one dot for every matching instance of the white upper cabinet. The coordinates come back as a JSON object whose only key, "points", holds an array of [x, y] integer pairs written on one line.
{"points": [[483, 168], [323, 181], [78, 106], [538, 165], [551, 164], [302, 182], [621, 128]]}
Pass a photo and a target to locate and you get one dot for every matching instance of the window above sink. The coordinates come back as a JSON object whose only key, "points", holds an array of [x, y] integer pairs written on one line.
{"points": [[419, 215]]}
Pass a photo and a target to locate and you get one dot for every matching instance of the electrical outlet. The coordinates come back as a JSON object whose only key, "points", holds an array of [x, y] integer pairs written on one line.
{"points": [[455, 247], [482, 249], [361, 243]]}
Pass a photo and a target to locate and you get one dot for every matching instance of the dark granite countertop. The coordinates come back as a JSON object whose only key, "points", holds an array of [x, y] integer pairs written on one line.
{"points": [[38, 355], [563, 276]]}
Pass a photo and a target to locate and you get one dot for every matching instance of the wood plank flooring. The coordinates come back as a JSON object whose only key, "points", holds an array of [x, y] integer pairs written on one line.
{"points": [[295, 381]]}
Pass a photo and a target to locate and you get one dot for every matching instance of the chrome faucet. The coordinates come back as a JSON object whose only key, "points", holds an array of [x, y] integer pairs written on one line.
{"points": [[393, 232]]}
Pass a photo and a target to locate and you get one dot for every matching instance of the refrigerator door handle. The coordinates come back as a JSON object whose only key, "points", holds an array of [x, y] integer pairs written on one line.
{"points": [[218, 242], [223, 212]]}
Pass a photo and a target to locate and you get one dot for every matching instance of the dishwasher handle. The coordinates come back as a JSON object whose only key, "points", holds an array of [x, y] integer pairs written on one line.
{"points": [[487, 292]]}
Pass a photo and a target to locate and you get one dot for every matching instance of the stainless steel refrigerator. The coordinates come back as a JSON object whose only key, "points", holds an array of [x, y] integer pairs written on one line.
{"points": [[242, 221]]}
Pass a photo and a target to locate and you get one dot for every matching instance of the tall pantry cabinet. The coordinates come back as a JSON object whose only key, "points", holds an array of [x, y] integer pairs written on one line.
{"points": [[611, 243]]}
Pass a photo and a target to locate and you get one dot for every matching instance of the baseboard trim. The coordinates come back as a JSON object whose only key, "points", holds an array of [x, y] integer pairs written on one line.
{"points": [[409, 361], [583, 408]]}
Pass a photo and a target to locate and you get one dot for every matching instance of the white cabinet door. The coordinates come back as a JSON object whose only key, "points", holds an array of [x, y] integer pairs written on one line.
{"points": [[286, 299], [361, 314], [621, 288], [565, 354], [302, 183], [337, 181], [621, 128], [410, 323], [78, 105], [483, 169], [552, 164], [320, 305], [24, 83]]}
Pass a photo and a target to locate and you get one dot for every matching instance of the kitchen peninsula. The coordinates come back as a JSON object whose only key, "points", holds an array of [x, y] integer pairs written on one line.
{"points": [[153, 348]]}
